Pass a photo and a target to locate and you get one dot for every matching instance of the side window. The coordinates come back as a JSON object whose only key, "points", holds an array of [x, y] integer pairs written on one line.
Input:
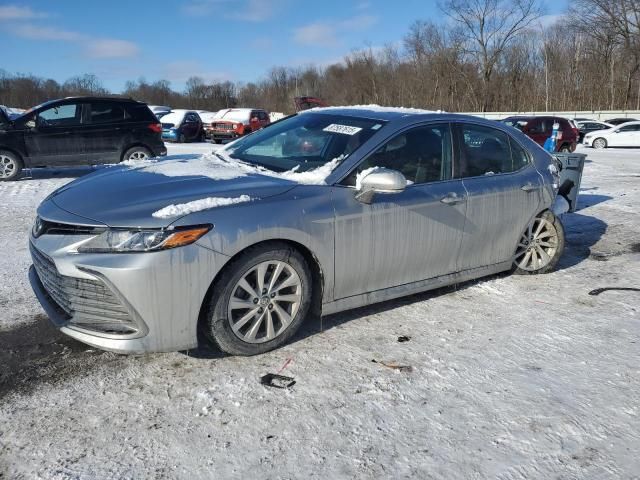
{"points": [[106, 112], [536, 126], [422, 155], [630, 128], [519, 157], [483, 151], [60, 116]]}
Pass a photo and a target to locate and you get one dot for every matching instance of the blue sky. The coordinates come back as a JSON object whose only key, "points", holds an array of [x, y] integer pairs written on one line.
{"points": [[237, 40]]}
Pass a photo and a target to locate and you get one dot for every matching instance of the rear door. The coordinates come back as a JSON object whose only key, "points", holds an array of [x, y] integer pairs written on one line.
{"points": [[104, 132], [56, 138], [503, 193], [539, 129], [404, 237]]}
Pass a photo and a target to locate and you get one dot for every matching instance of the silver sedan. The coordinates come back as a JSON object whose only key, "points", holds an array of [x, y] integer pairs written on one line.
{"points": [[323, 211]]}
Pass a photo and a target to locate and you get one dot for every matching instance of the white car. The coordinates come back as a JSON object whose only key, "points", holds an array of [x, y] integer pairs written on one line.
{"points": [[624, 135]]}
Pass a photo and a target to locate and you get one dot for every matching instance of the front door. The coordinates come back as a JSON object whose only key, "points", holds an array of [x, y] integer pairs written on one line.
{"points": [[404, 237], [503, 194], [55, 139], [626, 136]]}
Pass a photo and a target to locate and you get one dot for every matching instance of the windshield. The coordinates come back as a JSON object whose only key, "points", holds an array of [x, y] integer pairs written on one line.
{"points": [[304, 142]]}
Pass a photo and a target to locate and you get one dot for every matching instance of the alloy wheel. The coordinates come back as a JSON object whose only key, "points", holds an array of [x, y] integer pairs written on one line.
{"points": [[265, 301], [7, 166], [599, 143], [138, 155], [537, 246]]}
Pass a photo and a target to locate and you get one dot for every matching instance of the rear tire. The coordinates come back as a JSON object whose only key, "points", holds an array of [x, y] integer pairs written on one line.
{"points": [[599, 143], [136, 154], [540, 246], [260, 300], [10, 166], [182, 138], [565, 148]]}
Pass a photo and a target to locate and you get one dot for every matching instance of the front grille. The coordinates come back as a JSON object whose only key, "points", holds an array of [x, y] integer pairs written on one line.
{"points": [[89, 304], [223, 126], [53, 228]]}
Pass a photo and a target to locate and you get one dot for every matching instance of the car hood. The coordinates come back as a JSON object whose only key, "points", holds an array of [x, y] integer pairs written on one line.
{"points": [[122, 196]]}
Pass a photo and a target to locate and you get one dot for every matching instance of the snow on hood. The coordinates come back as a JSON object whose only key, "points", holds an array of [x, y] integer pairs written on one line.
{"points": [[174, 117], [180, 209], [221, 166]]}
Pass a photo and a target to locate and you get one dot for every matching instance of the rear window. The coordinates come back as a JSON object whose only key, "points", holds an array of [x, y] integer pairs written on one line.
{"points": [[106, 112], [140, 113]]}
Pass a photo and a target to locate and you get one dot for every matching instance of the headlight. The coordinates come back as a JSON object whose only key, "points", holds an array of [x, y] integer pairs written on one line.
{"points": [[235, 125], [123, 241]]}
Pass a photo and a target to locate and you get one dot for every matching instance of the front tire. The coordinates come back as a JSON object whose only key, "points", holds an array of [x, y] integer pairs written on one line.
{"points": [[260, 300], [10, 166], [599, 143], [540, 246]]}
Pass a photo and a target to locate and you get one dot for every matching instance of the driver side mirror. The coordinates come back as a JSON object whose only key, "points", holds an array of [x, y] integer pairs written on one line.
{"points": [[30, 124], [381, 180]]}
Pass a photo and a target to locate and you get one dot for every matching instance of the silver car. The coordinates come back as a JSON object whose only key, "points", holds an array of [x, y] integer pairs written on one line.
{"points": [[323, 211]]}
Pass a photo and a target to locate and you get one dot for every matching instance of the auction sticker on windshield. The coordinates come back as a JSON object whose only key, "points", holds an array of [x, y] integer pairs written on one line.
{"points": [[346, 129]]}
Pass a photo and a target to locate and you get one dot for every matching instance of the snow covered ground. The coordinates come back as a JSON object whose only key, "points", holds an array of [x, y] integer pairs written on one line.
{"points": [[513, 377]]}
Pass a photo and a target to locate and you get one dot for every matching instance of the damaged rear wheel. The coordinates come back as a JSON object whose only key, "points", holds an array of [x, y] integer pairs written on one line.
{"points": [[540, 246]]}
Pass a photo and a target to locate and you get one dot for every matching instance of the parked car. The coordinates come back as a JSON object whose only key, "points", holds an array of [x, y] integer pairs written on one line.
{"points": [[247, 243], [78, 131], [233, 123], [207, 122], [591, 126], [540, 128], [307, 103], [182, 126], [621, 120], [624, 135]]}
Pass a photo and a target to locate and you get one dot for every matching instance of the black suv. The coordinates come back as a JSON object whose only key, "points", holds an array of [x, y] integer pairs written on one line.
{"points": [[78, 131]]}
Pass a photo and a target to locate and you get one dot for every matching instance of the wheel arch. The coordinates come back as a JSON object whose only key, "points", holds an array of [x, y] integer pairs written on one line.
{"points": [[317, 274]]}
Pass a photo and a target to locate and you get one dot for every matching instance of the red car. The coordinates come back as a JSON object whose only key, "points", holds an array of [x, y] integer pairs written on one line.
{"points": [[232, 123], [540, 128]]}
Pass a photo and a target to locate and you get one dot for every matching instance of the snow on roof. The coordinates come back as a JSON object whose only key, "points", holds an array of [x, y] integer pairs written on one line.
{"points": [[377, 108], [175, 117]]}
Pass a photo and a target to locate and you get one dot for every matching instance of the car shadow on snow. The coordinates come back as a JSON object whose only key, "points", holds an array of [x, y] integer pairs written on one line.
{"points": [[35, 353]]}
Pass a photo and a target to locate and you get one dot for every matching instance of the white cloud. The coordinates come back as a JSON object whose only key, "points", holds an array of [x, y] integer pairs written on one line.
{"points": [[316, 34], [13, 12], [111, 48], [35, 32], [326, 33], [361, 22], [244, 10], [181, 71]]}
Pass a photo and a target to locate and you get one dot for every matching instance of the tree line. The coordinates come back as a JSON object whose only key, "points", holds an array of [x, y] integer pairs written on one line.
{"points": [[489, 55]]}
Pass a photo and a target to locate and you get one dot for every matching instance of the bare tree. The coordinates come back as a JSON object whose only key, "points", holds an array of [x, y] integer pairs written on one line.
{"points": [[490, 26]]}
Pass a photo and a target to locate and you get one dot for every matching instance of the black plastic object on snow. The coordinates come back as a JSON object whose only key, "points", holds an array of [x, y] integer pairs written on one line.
{"points": [[570, 176], [598, 291], [277, 381]]}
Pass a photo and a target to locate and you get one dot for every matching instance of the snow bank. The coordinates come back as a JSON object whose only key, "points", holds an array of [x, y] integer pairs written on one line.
{"points": [[181, 209]]}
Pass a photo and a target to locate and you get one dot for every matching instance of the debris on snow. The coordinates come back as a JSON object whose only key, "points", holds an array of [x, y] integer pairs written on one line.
{"points": [[277, 381], [404, 338], [395, 366], [181, 209]]}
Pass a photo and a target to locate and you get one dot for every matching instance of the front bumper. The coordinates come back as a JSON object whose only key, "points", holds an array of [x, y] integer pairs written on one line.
{"points": [[587, 141], [171, 135], [162, 291]]}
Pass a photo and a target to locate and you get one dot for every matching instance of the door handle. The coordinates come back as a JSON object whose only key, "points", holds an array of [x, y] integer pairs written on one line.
{"points": [[452, 199], [529, 187]]}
